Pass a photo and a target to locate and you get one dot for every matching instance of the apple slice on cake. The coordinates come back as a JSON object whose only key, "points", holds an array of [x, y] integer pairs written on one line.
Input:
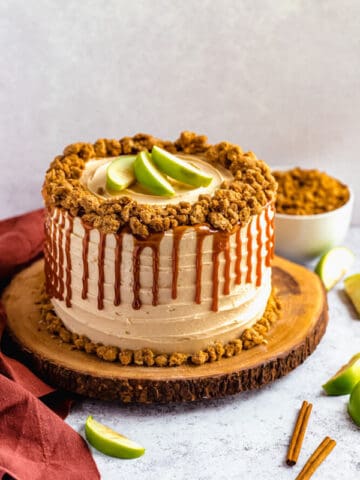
{"points": [[147, 175], [120, 173], [179, 169]]}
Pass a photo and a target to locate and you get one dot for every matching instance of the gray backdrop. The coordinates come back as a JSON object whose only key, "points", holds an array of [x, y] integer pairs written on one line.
{"points": [[279, 77]]}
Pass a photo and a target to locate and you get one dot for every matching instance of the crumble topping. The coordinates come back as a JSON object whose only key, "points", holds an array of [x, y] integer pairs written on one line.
{"points": [[251, 337], [308, 192], [234, 202]]}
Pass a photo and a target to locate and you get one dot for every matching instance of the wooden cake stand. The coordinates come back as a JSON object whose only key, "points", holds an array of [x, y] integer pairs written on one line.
{"points": [[291, 340]]}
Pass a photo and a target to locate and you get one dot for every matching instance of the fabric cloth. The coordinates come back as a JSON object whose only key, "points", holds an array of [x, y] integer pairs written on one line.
{"points": [[35, 443]]}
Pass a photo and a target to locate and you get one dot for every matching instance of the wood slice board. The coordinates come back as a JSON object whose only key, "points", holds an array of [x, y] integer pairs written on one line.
{"points": [[291, 340]]}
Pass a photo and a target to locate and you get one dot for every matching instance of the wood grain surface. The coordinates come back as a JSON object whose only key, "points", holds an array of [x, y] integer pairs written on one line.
{"points": [[291, 340]]}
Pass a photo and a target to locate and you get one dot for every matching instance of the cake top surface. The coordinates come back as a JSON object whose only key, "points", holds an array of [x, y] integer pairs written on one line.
{"points": [[94, 178], [242, 185]]}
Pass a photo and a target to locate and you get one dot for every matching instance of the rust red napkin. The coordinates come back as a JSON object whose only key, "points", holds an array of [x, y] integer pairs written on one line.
{"points": [[21, 241], [35, 443]]}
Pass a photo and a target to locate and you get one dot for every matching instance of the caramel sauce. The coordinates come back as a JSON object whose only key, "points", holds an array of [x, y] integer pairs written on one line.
{"points": [[227, 265], [61, 258], [201, 232], [268, 238], [221, 243], [238, 257], [118, 258], [136, 304], [153, 242], [55, 254], [258, 252], [101, 274], [48, 270], [249, 253], [68, 260], [85, 254], [51, 251], [273, 233], [177, 236]]}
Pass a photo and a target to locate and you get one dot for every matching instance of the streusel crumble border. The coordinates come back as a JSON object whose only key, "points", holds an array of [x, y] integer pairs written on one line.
{"points": [[251, 337], [233, 203]]}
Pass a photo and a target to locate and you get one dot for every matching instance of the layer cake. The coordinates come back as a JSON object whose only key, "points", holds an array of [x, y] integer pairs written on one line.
{"points": [[152, 280]]}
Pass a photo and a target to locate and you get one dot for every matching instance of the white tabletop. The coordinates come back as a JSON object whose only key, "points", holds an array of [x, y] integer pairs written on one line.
{"points": [[246, 435]]}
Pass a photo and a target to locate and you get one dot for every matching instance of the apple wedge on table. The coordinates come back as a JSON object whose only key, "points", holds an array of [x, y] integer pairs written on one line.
{"points": [[333, 265], [354, 404], [352, 288], [345, 379], [110, 442]]}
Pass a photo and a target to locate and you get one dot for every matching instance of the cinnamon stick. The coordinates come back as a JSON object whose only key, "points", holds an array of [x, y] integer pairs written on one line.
{"points": [[316, 458], [298, 433]]}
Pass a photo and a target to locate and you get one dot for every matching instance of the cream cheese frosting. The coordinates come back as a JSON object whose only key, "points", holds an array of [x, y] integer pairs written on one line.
{"points": [[92, 278]]}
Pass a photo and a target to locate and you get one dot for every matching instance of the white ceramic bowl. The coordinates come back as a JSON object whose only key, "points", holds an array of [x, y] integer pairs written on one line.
{"points": [[304, 237]]}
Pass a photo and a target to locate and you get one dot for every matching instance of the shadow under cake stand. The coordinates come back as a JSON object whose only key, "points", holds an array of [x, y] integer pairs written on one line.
{"points": [[291, 340]]}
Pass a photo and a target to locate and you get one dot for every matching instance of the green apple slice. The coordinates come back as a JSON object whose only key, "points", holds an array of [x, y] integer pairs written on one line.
{"points": [[352, 288], [345, 379], [120, 173], [354, 404], [148, 176], [178, 169], [333, 265], [110, 442]]}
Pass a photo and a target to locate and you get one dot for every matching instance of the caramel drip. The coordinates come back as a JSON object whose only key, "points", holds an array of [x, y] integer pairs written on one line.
{"points": [[273, 233], [85, 254], [259, 246], [268, 238], [177, 236], [55, 251], [136, 304], [61, 258], [249, 253], [48, 267], [226, 249], [238, 257], [201, 232], [153, 242], [221, 243], [68, 260], [118, 258], [215, 294], [156, 263], [101, 273]]}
